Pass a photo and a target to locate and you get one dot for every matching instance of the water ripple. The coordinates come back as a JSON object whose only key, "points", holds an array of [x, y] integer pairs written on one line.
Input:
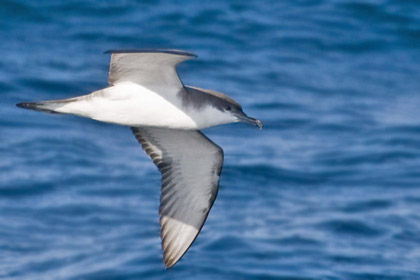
{"points": [[329, 189]]}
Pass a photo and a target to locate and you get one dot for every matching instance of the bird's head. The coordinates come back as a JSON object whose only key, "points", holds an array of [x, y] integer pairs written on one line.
{"points": [[234, 111], [215, 108]]}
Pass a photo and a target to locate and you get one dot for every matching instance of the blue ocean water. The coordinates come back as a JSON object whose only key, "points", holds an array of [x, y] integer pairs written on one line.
{"points": [[329, 189]]}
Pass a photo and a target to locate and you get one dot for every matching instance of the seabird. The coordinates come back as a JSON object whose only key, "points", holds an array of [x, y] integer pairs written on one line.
{"points": [[146, 94]]}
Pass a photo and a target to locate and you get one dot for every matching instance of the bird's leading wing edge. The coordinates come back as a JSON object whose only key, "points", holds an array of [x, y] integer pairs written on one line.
{"points": [[168, 51]]}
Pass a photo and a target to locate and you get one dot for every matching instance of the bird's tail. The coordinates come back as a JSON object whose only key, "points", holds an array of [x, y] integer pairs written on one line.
{"points": [[45, 106]]}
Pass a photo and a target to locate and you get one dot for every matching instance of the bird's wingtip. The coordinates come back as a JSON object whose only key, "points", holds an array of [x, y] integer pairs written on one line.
{"points": [[168, 265], [169, 262]]}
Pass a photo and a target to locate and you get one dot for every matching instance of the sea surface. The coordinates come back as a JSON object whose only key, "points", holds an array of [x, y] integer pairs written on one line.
{"points": [[329, 189]]}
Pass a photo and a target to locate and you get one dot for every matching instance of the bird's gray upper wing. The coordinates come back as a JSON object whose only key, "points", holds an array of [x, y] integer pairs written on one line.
{"points": [[153, 69], [190, 165]]}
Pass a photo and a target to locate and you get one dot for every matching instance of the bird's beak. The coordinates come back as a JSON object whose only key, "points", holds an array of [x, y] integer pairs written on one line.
{"points": [[244, 118]]}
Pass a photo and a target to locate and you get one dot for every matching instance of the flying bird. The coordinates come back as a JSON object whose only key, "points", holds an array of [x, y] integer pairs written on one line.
{"points": [[146, 94]]}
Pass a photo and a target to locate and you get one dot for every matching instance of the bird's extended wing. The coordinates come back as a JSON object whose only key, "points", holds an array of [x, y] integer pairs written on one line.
{"points": [[153, 69], [190, 165]]}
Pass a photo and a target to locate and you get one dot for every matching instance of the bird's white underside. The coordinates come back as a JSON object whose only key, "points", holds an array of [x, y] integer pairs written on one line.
{"points": [[131, 104]]}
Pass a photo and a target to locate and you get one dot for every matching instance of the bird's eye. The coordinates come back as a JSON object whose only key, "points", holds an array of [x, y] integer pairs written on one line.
{"points": [[228, 108]]}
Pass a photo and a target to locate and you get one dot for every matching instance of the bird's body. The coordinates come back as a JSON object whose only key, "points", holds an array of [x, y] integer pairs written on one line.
{"points": [[146, 94], [131, 104]]}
